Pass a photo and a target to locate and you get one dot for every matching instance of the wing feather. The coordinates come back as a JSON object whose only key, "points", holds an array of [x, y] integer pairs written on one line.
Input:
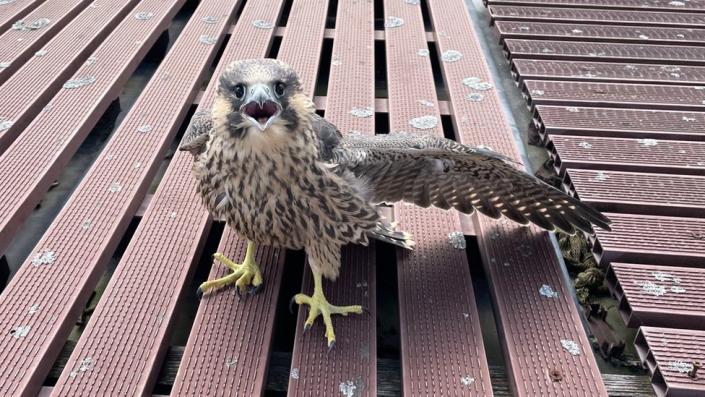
{"points": [[196, 135], [435, 171]]}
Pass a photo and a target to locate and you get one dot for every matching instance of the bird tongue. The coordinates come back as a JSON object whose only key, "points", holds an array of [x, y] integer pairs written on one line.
{"points": [[261, 113]]}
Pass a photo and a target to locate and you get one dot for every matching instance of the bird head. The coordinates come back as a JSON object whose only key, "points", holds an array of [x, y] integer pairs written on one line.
{"points": [[257, 95]]}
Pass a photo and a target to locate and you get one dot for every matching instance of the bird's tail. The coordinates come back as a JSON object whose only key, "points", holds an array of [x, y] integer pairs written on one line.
{"points": [[389, 234]]}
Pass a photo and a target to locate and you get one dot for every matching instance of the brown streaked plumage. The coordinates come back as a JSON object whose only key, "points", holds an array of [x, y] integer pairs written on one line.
{"points": [[281, 175]]}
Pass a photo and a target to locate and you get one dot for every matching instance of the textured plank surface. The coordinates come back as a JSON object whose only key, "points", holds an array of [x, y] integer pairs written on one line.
{"points": [[33, 162], [351, 363], [669, 354], [518, 261], [17, 44], [673, 157], [229, 344], [27, 91], [663, 296], [618, 52], [642, 96], [640, 193], [621, 123], [652, 239], [133, 317], [611, 33], [11, 11], [525, 69], [434, 280], [89, 227], [616, 4], [553, 14]]}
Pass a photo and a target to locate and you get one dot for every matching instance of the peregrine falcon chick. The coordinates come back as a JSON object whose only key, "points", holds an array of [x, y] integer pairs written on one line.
{"points": [[280, 175]]}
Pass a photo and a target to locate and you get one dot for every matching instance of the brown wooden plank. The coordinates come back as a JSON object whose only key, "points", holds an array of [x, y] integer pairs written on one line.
{"points": [[127, 334], [26, 92], [540, 69], [665, 240], [230, 340], [669, 355], [11, 11], [660, 296], [520, 261], [619, 154], [612, 95], [76, 247], [653, 5], [434, 280], [352, 362], [639, 192], [600, 33], [620, 123], [605, 52], [18, 44], [606, 17], [71, 115]]}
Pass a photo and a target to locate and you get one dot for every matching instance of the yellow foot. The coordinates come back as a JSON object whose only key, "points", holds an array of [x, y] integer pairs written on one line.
{"points": [[246, 276], [318, 305]]}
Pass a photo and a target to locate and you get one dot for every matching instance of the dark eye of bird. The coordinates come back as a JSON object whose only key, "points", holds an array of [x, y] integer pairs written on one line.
{"points": [[239, 91], [279, 89]]}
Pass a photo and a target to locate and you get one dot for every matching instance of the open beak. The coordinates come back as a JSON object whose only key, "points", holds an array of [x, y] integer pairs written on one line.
{"points": [[260, 106]]}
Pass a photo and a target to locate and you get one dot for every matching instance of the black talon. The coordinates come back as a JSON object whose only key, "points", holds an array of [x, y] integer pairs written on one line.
{"points": [[238, 293], [365, 310], [330, 346], [291, 304], [254, 290], [199, 293], [307, 327]]}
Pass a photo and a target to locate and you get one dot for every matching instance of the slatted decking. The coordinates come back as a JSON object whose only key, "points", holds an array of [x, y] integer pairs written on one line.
{"points": [[665, 296], [617, 94], [539, 69], [122, 348], [670, 355]]}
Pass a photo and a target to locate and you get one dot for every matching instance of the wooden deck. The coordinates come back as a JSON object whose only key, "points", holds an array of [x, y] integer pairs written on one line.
{"points": [[445, 319], [625, 135]]}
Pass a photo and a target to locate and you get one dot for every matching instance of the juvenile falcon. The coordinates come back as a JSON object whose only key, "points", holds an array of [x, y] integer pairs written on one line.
{"points": [[281, 175]]}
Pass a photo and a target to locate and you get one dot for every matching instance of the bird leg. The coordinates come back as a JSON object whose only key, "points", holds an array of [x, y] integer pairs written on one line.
{"points": [[243, 276], [319, 305]]}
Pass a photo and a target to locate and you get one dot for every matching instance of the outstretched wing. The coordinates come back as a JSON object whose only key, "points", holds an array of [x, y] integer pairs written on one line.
{"points": [[196, 135], [435, 171]]}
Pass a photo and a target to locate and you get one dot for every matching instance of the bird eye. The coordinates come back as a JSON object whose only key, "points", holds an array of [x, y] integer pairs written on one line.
{"points": [[279, 88], [239, 91]]}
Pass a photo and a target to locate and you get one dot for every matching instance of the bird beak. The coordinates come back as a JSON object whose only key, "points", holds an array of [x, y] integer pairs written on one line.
{"points": [[260, 106]]}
